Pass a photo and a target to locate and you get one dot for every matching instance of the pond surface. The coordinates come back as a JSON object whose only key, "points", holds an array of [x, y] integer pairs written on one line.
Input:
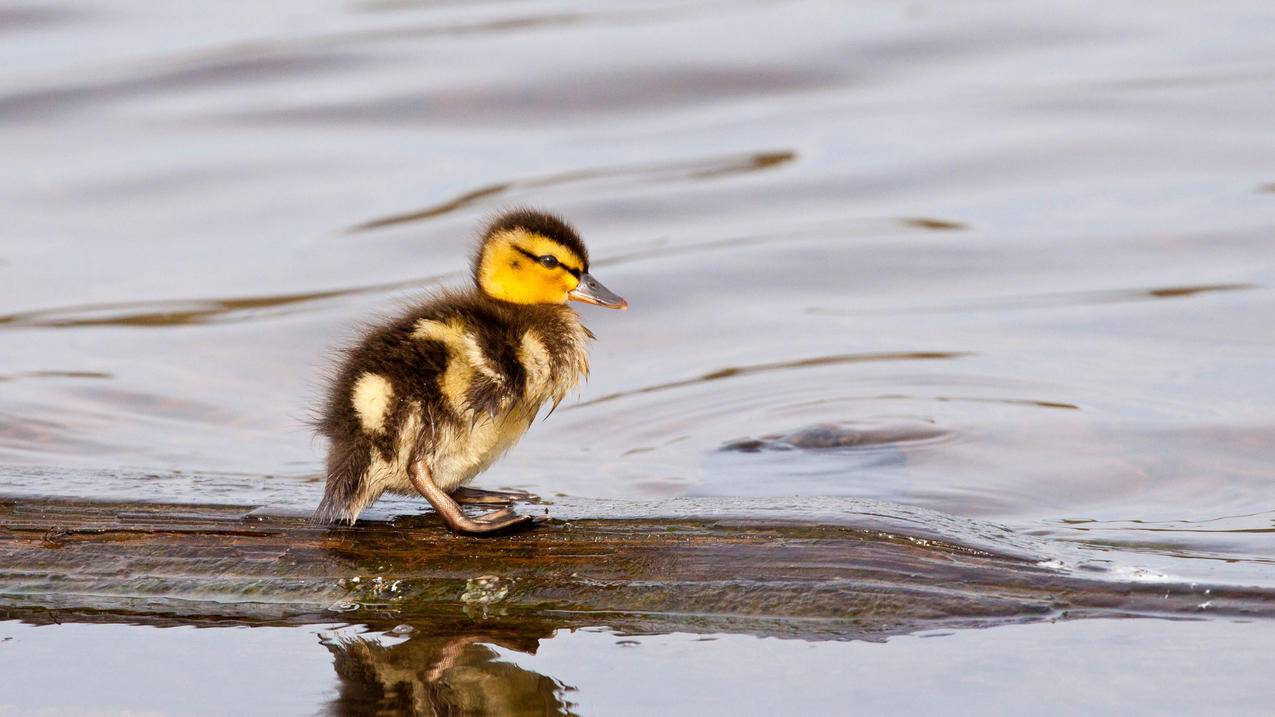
{"points": [[274, 671], [1007, 263]]}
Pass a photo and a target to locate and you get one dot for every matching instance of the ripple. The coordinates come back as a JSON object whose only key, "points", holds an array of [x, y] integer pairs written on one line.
{"points": [[840, 228], [183, 312], [733, 371], [592, 96], [706, 168], [1046, 300], [54, 374], [935, 224], [24, 18], [37, 104], [981, 399], [852, 435]]}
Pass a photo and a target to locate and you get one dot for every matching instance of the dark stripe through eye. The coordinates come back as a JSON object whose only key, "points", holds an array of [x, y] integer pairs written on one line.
{"points": [[548, 261]]}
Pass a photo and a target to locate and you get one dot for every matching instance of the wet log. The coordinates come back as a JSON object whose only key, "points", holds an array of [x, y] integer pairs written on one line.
{"points": [[160, 563]]}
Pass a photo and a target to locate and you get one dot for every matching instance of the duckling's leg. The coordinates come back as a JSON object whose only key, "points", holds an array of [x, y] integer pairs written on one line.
{"points": [[476, 496], [450, 511]]}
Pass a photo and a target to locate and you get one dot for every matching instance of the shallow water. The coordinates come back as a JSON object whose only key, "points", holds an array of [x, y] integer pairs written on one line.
{"points": [[1018, 258]]}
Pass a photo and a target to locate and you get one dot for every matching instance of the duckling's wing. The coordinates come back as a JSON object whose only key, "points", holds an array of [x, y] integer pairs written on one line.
{"points": [[483, 375]]}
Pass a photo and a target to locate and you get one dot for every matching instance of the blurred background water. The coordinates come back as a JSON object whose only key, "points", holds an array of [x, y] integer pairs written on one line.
{"points": [[1021, 254]]}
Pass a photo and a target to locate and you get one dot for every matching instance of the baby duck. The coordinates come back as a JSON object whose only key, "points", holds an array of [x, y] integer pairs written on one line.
{"points": [[427, 401]]}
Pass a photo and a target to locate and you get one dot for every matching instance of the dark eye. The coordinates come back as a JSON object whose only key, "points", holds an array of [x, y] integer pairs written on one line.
{"points": [[548, 261]]}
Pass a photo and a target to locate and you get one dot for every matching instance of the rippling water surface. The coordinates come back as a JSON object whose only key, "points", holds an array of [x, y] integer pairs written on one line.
{"points": [[1005, 262]]}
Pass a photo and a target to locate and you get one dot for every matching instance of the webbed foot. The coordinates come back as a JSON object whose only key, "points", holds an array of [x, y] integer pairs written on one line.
{"points": [[497, 521]]}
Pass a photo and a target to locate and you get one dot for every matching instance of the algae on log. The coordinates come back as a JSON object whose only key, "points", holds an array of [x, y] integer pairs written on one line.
{"points": [[164, 563]]}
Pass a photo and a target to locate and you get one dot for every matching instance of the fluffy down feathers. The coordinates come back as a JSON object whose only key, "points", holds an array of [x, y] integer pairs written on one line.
{"points": [[454, 381]]}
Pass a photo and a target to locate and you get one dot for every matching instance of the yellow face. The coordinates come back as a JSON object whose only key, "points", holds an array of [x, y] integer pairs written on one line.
{"points": [[526, 268]]}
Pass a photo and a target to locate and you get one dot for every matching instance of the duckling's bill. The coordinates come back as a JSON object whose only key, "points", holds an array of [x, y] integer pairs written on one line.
{"points": [[591, 291]]}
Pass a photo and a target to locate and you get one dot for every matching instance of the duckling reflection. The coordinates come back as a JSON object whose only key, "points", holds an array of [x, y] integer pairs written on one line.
{"points": [[442, 674]]}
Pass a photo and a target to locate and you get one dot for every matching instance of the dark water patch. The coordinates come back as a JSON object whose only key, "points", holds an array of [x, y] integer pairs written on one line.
{"points": [[841, 436], [708, 168], [735, 371]]}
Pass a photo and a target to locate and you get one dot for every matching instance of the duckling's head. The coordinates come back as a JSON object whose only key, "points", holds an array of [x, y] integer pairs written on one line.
{"points": [[530, 257]]}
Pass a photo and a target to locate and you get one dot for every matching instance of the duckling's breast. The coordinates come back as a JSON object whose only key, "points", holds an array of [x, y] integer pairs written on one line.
{"points": [[551, 360], [463, 451]]}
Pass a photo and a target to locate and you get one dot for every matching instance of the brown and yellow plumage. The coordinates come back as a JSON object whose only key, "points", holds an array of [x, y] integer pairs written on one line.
{"points": [[427, 401]]}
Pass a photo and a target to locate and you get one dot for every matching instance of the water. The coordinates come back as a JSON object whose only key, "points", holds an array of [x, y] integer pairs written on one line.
{"points": [[184, 671], [1018, 257]]}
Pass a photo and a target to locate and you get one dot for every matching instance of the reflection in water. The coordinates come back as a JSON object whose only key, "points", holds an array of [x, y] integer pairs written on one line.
{"points": [[442, 674]]}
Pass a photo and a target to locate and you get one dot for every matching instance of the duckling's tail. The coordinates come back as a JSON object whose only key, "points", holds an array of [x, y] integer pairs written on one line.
{"points": [[347, 469], [332, 509]]}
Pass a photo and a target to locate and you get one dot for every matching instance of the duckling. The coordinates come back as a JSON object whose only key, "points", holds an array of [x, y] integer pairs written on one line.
{"points": [[427, 401]]}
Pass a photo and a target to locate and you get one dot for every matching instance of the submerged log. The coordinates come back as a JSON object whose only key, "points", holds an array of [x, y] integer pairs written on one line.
{"points": [[68, 559]]}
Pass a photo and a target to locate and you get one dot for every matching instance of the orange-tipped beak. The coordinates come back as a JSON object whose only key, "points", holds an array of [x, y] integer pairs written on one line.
{"points": [[591, 291]]}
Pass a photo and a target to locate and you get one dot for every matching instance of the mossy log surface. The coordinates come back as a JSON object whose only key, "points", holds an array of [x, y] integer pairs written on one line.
{"points": [[66, 559]]}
